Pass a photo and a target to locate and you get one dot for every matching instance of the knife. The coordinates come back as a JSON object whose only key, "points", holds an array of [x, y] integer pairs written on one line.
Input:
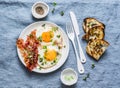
{"points": [[77, 32]]}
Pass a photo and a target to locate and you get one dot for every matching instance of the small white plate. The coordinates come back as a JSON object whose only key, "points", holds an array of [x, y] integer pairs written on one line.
{"points": [[69, 76], [45, 8], [65, 51]]}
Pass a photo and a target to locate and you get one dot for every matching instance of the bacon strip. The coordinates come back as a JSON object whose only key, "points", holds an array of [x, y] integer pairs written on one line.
{"points": [[29, 50]]}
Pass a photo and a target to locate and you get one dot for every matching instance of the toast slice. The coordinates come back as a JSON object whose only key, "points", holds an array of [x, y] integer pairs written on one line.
{"points": [[96, 48], [96, 32], [89, 22]]}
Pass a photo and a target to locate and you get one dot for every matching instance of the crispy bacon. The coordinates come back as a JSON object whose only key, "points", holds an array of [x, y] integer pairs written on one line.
{"points": [[29, 50]]}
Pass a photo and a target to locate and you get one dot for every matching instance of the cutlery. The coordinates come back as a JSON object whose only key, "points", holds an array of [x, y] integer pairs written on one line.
{"points": [[71, 35], [76, 29]]}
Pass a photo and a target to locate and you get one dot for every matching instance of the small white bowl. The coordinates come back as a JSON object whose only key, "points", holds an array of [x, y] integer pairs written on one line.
{"points": [[69, 77], [45, 8]]}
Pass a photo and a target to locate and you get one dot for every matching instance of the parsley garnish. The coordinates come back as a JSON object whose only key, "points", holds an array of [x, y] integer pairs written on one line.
{"points": [[93, 66], [30, 35], [87, 76], [40, 67], [59, 47], [51, 40], [54, 29], [43, 25], [53, 43], [53, 10], [54, 3], [42, 63], [64, 46], [40, 59], [40, 38], [61, 13], [58, 36], [55, 61], [45, 62], [45, 51], [44, 47]]}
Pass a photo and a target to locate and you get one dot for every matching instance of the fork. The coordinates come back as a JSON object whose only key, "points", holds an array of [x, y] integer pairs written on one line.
{"points": [[71, 35]]}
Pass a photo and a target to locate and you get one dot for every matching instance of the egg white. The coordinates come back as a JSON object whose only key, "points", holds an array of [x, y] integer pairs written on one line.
{"points": [[49, 45]]}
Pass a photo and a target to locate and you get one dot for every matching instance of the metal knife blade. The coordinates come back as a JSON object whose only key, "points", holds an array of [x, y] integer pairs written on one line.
{"points": [[77, 32], [75, 23]]}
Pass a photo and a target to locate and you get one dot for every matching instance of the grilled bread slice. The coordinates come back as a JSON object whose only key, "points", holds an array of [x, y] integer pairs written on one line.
{"points": [[96, 32], [88, 23], [96, 48]]}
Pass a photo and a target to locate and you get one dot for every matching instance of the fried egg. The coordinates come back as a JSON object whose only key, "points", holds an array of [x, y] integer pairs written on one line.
{"points": [[50, 55], [47, 36], [51, 46]]}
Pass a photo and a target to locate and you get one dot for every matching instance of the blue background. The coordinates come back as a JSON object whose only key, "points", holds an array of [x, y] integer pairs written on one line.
{"points": [[15, 15]]}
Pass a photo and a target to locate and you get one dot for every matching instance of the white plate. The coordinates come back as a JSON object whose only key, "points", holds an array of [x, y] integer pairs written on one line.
{"points": [[65, 51]]}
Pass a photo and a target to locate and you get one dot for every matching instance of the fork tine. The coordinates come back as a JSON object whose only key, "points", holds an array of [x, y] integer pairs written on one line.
{"points": [[68, 27]]}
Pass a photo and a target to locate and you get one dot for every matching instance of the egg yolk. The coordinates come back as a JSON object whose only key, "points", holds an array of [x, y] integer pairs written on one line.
{"points": [[46, 36], [50, 55]]}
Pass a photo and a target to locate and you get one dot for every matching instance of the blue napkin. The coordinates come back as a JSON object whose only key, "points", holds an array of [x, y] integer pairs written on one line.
{"points": [[15, 15]]}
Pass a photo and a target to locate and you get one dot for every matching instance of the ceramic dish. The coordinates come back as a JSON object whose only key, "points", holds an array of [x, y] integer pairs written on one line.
{"points": [[69, 76], [40, 10], [40, 30]]}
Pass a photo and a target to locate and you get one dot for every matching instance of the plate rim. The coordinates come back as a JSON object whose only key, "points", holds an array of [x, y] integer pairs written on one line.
{"points": [[67, 40]]}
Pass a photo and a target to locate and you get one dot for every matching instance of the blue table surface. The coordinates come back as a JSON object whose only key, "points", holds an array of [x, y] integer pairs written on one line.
{"points": [[15, 15]]}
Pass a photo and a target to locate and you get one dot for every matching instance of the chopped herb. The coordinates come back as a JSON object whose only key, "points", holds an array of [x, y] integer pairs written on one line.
{"points": [[61, 13], [40, 59], [51, 34], [40, 38], [87, 76], [51, 40], [93, 66], [54, 29], [45, 62], [38, 55], [43, 25], [64, 46], [54, 3], [30, 35], [40, 67], [44, 57], [68, 77], [53, 10], [58, 53], [53, 43], [52, 63], [72, 77], [45, 51], [58, 36], [55, 61], [44, 47], [42, 63], [29, 56], [59, 47]]}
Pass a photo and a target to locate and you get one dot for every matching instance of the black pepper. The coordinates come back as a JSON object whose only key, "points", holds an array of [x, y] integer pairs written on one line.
{"points": [[39, 10]]}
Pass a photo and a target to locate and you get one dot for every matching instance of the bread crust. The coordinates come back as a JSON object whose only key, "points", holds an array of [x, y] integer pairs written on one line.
{"points": [[96, 32], [96, 48], [90, 22]]}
